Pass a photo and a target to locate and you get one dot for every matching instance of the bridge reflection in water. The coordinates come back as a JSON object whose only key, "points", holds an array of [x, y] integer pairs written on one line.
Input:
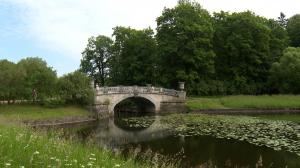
{"points": [[108, 134]]}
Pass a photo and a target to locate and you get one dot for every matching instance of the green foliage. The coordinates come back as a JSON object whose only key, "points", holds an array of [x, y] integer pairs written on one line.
{"points": [[282, 21], [39, 77], [241, 43], [279, 39], [285, 74], [133, 60], [12, 79], [74, 88], [293, 29], [95, 58], [184, 38], [107, 101]]}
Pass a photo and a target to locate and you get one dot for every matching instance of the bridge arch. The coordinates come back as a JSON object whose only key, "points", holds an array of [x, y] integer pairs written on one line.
{"points": [[141, 101]]}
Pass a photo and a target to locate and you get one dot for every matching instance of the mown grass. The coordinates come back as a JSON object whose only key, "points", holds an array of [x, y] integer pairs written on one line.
{"points": [[203, 104], [263, 101], [29, 111], [24, 147]]}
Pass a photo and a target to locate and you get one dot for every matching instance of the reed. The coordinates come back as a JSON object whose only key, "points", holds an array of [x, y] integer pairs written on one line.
{"points": [[21, 146]]}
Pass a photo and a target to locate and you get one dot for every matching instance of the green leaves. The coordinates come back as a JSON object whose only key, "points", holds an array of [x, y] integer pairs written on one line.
{"points": [[133, 60], [285, 74], [293, 29], [184, 35], [95, 58], [241, 45]]}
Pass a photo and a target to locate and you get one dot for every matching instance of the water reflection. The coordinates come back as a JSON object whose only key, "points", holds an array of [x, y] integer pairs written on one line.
{"points": [[114, 133]]}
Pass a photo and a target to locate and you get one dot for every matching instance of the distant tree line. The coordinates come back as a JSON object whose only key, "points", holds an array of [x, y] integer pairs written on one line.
{"points": [[218, 54], [22, 80]]}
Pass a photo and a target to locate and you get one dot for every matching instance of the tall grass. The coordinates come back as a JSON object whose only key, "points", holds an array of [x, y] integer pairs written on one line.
{"points": [[204, 104], [263, 101], [29, 111], [24, 147]]}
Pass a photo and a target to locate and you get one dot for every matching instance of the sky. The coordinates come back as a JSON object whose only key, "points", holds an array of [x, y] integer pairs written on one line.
{"points": [[58, 30]]}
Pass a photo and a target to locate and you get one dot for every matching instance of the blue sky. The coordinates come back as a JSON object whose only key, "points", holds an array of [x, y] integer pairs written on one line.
{"points": [[58, 30]]}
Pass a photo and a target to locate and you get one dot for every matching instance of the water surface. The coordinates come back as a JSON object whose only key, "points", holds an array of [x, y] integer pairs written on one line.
{"points": [[197, 149]]}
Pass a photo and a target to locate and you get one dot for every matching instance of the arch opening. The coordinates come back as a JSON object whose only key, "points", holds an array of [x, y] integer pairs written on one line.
{"points": [[146, 104]]}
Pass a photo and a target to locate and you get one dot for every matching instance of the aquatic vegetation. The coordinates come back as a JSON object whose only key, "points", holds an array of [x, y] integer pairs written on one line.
{"points": [[276, 134]]}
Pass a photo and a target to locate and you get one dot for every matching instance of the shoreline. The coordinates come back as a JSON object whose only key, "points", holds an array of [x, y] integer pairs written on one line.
{"points": [[57, 121], [246, 111]]}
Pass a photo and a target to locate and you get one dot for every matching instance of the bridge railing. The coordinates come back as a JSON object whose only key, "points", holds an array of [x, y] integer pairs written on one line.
{"points": [[138, 89]]}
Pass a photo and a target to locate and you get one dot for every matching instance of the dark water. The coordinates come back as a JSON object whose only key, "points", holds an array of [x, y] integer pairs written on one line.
{"points": [[288, 117], [197, 149]]}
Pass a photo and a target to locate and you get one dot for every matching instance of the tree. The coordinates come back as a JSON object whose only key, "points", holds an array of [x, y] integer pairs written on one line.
{"points": [[132, 62], [11, 80], [279, 40], [282, 21], [184, 38], [39, 77], [74, 88], [95, 58], [293, 29], [285, 75], [241, 43]]}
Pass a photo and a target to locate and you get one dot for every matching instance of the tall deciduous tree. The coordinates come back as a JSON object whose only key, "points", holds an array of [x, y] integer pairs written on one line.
{"points": [[293, 28], [285, 75], [39, 77], [95, 58], [74, 88], [241, 43], [184, 38], [12, 78], [279, 39], [132, 62]]}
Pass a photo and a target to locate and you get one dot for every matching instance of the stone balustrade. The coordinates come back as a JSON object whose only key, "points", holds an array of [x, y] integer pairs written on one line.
{"points": [[137, 89]]}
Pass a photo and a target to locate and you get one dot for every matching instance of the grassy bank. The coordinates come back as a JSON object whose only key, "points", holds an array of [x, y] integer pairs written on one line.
{"points": [[201, 103], [24, 147], [263, 101], [28, 111], [245, 101]]}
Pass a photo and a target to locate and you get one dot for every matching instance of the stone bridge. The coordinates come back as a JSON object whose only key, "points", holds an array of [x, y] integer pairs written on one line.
{"points": [[152, 99]]}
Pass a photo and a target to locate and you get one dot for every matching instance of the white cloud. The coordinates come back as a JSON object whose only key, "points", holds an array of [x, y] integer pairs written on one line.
{"points": [[66, 25]]}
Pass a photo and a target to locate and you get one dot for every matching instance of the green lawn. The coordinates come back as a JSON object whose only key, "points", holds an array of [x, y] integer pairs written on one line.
{"points": [[262, 101], [27, 111], [244, 101], [203, 104]]}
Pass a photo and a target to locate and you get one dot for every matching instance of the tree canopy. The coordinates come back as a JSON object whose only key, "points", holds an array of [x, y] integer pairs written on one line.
{"points": [[184, 38], [95, 58], [293, 29], [132, 60]]}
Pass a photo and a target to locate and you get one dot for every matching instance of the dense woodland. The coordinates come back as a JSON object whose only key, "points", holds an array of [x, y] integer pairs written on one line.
{"points": [[215, 54]]}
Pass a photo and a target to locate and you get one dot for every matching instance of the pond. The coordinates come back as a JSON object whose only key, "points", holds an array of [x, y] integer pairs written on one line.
{"points": [[212, 139]]}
